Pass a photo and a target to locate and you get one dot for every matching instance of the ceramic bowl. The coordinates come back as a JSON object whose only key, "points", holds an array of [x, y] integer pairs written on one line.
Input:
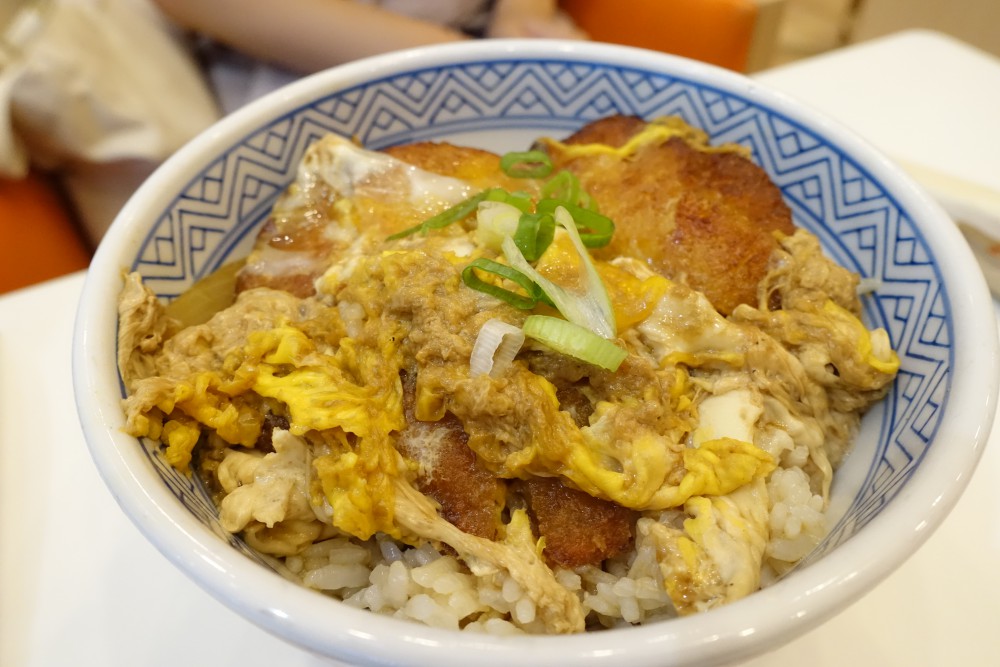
{"points": [[913, 457]]}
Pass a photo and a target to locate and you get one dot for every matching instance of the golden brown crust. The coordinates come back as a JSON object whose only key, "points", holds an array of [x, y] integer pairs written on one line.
{"points": [[704, 218], [701, 217], [578, 529], [478, 167], [259, 272], [292, 251], [467, 492], [612, 131], [470, 496]]}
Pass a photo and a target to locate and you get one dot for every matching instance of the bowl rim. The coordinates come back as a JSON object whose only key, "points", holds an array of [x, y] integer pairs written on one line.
{"points": [[319, 624]]}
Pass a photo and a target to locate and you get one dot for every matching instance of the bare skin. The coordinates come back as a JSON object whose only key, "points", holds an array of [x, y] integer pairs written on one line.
{"points": [[310, 35]]}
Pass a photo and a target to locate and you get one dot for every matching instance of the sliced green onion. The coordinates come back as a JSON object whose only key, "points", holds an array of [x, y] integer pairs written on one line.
{"points": [[521, 301], [534, 234], [519, 200], [597, 294], [495, 348], [459, 211], [564, 186], [526, 164], [595, 229], [573, 340], [592, 309], [495, 221]]}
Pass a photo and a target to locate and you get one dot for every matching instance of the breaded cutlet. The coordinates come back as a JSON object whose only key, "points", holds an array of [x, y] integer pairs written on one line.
{"points": [[292, 250], [698, 215]]}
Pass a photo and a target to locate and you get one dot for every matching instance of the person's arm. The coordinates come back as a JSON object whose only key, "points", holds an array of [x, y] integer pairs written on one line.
{"points": [[532, 18], [304, 35]]}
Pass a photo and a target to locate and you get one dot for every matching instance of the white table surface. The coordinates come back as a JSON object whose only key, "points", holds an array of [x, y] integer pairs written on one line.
{"points": [[80, 586]]}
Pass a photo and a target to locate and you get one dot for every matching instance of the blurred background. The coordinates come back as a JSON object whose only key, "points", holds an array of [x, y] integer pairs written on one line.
{"points": [[94, 94], [810, 27]]}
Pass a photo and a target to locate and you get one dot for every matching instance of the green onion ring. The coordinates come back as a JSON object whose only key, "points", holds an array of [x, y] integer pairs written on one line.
{"points": [[520, 301], [564, 186], [595, 229], [519, 200], [526, 164]]}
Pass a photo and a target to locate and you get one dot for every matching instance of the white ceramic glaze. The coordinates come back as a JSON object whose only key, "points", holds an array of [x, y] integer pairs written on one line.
{"points": [[913, 458]]}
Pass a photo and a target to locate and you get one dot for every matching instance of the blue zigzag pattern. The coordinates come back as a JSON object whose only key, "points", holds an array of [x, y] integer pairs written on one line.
{"points": [[860, 226]]}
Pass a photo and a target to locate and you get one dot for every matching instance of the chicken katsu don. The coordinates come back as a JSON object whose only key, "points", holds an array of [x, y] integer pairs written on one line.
{"points": [[598, 380]]}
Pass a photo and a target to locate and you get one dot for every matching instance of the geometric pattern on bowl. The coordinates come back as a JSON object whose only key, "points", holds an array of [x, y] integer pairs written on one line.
{"points": [[220, 210]]}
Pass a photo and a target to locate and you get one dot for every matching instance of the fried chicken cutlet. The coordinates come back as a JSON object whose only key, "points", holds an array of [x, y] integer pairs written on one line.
{"points": [[697, 214], [342, 190]]}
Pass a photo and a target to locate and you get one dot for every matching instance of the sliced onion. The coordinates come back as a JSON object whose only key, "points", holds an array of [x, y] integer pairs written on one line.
{"points": [[209, 295], [597, 293], [495, 348]]}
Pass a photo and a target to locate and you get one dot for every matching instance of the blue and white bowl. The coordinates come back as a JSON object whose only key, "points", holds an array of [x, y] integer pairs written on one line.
{"points": [[913, 458]]}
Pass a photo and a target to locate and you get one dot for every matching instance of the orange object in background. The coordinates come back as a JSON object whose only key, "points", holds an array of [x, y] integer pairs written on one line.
{"points": [[39, 239], [720, 32]]}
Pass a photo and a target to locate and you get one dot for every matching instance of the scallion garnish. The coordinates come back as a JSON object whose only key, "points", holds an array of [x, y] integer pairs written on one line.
{"points": [[534, 233], [495, 221], [459, 211], [519, 200], [533, 293], [526, 164], [565, 187], [573, 340], [506, 220], [595, 229], [590, 309]]}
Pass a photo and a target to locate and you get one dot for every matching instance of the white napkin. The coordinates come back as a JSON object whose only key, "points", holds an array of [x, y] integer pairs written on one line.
{"points": [[101, 92]]}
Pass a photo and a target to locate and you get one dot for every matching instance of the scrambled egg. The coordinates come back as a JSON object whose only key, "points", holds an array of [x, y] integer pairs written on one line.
{"points": [[685, 433]]}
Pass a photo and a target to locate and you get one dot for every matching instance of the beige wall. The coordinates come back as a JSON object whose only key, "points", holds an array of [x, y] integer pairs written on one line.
{"points": [[976, 22], [809, 27]]}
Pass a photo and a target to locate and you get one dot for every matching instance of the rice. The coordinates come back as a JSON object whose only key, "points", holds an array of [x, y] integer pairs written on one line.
{"points": [[425, 585], [797, 520], [627, 590]]}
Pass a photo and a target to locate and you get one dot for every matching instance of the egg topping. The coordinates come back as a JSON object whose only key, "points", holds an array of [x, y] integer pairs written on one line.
{"points": [[685, 432]]}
